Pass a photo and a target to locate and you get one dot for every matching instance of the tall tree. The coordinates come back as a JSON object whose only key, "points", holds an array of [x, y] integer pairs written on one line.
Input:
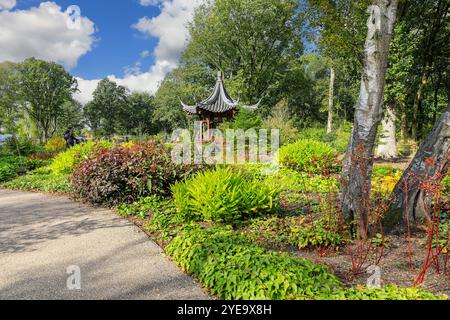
{"points": [[136, 117], [104, 111], [9, 97], [251, 41], [44, 87], [357, 171]]}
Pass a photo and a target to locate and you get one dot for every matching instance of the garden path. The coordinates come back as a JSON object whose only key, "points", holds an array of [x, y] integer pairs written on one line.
{"points": [[42, 235]]}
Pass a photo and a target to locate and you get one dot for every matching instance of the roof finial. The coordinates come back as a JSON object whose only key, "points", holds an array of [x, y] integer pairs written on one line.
{"points": [[219, 75]]}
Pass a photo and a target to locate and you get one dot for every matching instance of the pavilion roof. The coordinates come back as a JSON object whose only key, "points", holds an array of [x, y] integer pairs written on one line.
{"points": [[218, 102]]}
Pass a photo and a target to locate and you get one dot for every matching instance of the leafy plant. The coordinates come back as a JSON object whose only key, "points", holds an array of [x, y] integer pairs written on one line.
{"points": [[293, 231], [55, 145], [67, 161], [141, 208], [309, 156], [22, 146], [12, 166], [235, 269], [223, 195], [124, 174], [41, 180]]}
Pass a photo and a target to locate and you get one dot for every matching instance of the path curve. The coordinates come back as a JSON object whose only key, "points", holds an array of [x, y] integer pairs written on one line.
{"points": [[41, 236]]}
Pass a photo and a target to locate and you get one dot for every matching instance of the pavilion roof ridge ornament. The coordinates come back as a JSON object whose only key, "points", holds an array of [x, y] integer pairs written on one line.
{"points": [[218, 102]]}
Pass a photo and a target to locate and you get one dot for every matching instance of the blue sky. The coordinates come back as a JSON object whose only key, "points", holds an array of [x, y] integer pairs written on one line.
{"points": [[133, 42]]}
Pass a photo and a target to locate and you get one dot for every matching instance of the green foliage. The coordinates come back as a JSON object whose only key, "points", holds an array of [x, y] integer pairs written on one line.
{"points": [[280, 119], [67, 161], [41, 180], [12, 166], [389, 292], [124, 174], [46, 86], [289, 180], [21, 146], [141, 208], [223, 196], [244, 120], [298, 232], [55, 145], [338, 139], [235, 269], [309, 156], [252, 47]]}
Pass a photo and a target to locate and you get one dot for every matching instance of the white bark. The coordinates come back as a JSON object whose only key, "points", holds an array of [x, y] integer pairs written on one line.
{"points": [[387, 148], [358, 162], [331, 101]]}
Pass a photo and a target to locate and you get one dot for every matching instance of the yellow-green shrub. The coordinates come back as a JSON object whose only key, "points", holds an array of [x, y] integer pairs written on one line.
{"points": [[66, 162], [55, 145], [309, 156]]}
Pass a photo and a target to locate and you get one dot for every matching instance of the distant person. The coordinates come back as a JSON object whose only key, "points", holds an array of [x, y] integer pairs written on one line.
{"points": [[70, 138]]}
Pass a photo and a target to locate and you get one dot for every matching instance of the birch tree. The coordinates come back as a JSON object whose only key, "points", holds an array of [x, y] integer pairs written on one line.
{"points": [[357, 170], [431, 162]]}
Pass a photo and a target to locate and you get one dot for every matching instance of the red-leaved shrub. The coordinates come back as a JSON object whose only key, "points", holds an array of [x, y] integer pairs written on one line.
{"points": [[124, 174]]}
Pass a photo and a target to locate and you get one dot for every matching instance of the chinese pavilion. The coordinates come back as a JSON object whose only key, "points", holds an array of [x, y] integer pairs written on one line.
{"points": [[218, 107]]}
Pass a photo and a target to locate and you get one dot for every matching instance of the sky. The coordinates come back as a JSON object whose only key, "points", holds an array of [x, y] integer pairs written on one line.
{"points": [[133, 42]]}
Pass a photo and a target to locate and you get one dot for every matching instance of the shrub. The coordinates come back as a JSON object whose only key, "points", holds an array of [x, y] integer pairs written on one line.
{"points": [[12, 166], [55, 145], [21, 146], [223, 195], [309, 156], [338, 139], [66, 162], [235, 269], [124, 174]]}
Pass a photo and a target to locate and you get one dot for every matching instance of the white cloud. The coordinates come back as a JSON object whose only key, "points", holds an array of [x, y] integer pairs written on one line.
{"points": [[42, 32], [147, 3], [7, 4], [170, 26]]}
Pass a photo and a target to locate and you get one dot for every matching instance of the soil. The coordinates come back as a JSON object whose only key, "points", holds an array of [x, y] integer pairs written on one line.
{"points": [[395, 265]]}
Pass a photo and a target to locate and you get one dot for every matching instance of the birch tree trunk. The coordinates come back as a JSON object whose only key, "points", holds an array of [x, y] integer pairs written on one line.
{"points": [[358, 162], [331, 101], [387, 148], [431, 161]]}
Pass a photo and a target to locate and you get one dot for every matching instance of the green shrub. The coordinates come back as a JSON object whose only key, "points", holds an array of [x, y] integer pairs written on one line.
{"points": [[67, 161], [12, 166], [338, 139], [309, 156], [124, 174], [40, 180], [235, 269], [223, 195], [21, 146]]}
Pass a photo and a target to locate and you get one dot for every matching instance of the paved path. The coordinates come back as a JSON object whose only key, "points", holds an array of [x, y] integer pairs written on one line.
{"points": [[41, 236]]}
